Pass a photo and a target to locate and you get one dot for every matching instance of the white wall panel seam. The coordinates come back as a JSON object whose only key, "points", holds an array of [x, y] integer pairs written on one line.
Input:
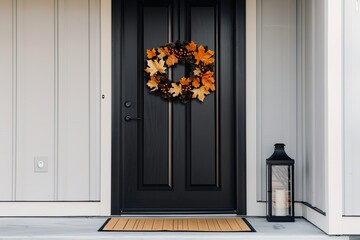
{"points": [[343, 109], [101, 195], [14, 100], [56, 96], [314, 65], [303, 70], [89, 97], [259, 170]]}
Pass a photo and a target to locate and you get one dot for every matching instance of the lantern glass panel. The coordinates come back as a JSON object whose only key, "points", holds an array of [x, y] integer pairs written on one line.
{"points": [[281, 190]]}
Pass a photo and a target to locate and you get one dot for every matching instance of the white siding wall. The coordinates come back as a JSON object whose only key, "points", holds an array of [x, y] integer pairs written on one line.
{"points": [[34, 98], [314, 83], [50, 99], [351, 96], [6, 100], [276, 86]]}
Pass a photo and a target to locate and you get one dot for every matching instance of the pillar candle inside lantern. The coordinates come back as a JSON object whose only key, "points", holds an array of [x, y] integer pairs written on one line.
{"points": [[280, 202]]}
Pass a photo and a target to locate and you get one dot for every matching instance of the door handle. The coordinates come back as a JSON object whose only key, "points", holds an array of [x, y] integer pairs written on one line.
{"points": [[128, 118]]}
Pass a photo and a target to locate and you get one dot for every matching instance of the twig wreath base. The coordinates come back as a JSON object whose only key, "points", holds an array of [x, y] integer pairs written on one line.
{"points": [[200, 61]]}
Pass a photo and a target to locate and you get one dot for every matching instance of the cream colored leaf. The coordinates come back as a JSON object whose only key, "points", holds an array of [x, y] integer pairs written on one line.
{"points": [[175, 90], [155, 66], [200, 93], [153, 83], [197, 72]]}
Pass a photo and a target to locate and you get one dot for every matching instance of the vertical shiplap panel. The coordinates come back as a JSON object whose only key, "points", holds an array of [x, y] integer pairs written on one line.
{"points": [[277, 106], [351, 107], [74, 105], [320, 104], [94, 97], [309, 103], [314, 107], [35, 98], [6, 99]]}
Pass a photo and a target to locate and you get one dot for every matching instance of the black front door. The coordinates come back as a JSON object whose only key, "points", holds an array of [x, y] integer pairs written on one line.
{"points": [[170, 156]]}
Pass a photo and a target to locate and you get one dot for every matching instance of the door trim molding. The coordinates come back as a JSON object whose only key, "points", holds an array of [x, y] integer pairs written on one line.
{"points": [[240, 106], [116, 178]]}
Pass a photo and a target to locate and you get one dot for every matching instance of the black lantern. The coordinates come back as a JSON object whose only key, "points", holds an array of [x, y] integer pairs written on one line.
{"points": [[280, 186]]}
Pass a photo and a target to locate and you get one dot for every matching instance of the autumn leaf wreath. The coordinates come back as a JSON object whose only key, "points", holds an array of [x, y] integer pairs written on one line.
{"points": [[200, 63]]}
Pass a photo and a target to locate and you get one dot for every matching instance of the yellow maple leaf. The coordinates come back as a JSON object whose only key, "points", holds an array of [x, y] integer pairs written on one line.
{"points": [[150, 53], [204, 56], [191, 46], [153, 83], [197, 72], [200, 93], [172, 59], [196, 83], [176, 89], [208, 80], [155, 66], [185, 81], [163, 52]]}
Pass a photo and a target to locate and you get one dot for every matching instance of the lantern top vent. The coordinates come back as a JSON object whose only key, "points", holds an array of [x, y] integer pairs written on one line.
{"points": [[279, 156]]}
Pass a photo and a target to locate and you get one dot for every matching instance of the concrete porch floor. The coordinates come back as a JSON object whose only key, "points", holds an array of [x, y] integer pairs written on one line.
{"points": [[86, 228]]}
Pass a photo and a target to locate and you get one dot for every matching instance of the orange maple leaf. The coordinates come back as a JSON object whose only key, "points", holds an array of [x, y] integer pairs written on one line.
{"points": [[176, 89], [208, 80], [200, 93], [185, 81], [150, 53], [191, 46], [163, 52], [172, 59], [153, 83], [155, 66], [196, 82], [204, 56]]}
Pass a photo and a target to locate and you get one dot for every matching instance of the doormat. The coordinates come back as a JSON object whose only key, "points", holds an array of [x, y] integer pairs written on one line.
{"points": [[177, 225]]}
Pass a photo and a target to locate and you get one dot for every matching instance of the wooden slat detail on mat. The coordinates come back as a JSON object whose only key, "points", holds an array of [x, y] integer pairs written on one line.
{"points": [[202, 225], [111, 224], [149, 223], [192, 223], [121, 223], [130, 224], [178, 224], [233, 224], [224, 226], [168, 224], [242, 224], [212, 223], [140, 224], [158, 224]]}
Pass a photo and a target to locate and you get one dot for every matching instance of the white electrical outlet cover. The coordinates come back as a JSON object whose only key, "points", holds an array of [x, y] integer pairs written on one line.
{"points": [[41, 164]]}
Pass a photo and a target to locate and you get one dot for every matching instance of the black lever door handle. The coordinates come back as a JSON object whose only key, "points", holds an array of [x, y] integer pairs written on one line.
{"points": [[128, 118]]}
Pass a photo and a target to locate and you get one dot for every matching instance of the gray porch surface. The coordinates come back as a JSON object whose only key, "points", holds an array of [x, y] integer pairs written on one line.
{"points": [[86, 228]]}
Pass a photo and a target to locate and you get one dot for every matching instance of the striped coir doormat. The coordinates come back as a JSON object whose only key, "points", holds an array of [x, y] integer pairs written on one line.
{"points": [[177, 225]]}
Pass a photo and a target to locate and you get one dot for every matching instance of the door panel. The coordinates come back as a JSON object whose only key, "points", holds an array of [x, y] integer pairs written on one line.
{"points": [[201, 27], [154, 163], [176, 157]]}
